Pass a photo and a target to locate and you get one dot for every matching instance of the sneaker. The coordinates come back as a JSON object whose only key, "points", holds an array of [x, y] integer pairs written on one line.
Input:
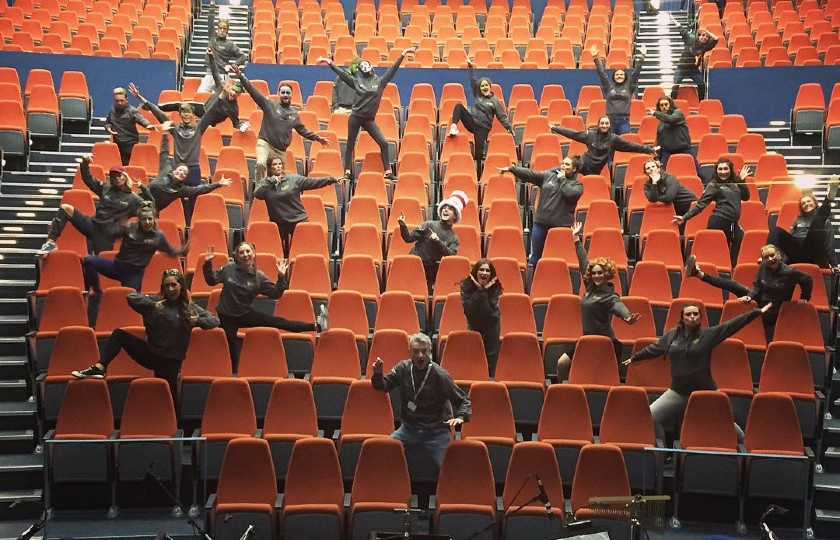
{"points": [[390, 176], [93, 372], [323, 319], [691, 266], [833, 186], [48, 246], [453, 131]]}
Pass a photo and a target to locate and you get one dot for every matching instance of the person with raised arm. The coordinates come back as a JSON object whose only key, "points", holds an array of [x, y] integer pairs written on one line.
{"points": [[480, 292], [689, 348], [672, 135], [241, 282], [221, 51], [619, 89], [727, 190], [369, 88], [601, 143], [664, 187], [690, 63], [121, 123], [599, 301], [168, 319], [479, 122]]}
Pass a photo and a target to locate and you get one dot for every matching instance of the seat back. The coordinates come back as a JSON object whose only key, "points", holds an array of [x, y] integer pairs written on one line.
{"points": [[149, 411], [707, 423], [600, 472], [229, 409], [85, 411]]}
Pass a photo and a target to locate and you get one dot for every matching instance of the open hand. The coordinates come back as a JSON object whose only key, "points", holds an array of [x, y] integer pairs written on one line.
{"points": [[236, 69], [225, 181], [745, 171], [209, 252], [324, 141], [324, 60], [87, 158], [491, 282], [282, 266], [633, 318], [504, 170], [594, 51], [677, 220], [410, 50], [134, 91], [453, 422], [577, 228]]}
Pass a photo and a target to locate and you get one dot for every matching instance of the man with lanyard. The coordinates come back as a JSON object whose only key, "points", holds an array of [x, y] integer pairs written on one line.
{"points": [[427, 396]]}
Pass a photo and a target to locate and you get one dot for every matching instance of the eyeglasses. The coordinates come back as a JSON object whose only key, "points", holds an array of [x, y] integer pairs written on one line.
{"points": [[172, 272]]}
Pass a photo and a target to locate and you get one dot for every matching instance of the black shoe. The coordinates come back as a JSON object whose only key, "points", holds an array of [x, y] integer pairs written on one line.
{"points": [[93, 372], [691, 269], [390, 176]]}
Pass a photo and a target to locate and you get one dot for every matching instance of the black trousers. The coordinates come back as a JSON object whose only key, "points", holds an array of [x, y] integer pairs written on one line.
{"points": [[768, 318], [139, 351], [480, 133], [733, 232], [231, 325], [101, 238], [354, 124], [812, 248]]}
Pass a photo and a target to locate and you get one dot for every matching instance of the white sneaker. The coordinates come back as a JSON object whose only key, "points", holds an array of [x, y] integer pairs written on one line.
{"points": [[323, 319], [48, 246], [453, 130]]}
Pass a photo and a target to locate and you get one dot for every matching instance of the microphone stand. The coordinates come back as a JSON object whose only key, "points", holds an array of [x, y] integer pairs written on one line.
{"points": [[197, 530], [507, 512], [35, 527]]}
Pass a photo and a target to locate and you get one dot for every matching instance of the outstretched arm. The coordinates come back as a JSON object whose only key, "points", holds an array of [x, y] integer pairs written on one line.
{"points": [[392, 71]]}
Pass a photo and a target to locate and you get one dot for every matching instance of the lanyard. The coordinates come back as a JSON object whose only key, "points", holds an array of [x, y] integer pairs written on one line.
{"points": [[422, 384]]}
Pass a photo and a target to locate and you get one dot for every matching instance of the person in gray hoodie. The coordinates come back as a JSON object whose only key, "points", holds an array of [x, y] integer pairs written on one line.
{"points": [[601, 144], [479, 122], [619, 89], [220, 50], [279, 119], [369, 88], [811, 236], [672, 135], [665, 188], [480, 292], [689, 349], [281, 192], [168, 318]]}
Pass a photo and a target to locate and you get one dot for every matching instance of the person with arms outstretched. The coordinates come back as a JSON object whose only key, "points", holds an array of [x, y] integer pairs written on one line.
{"points": [[690, 63], [601, 143]]}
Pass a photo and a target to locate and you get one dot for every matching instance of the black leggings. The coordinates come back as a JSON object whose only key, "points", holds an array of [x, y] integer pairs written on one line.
{"points": [[812, 248], [480, 133], [733, 232], [768, 318], [139, 351], [100, 236], [231, 325], [354, 124]]}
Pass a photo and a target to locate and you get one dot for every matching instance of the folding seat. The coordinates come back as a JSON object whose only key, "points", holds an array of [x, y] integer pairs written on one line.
{"points": [[518, 367], [609, 242], [114, 312], [627, 334], [13, 136], [367, 414], [42, 113], [451, 270], [561, 330], [75, 348], [772, 428], [731, 371], [465, 494], [405, 273], [710, 296], [207, 360], [509, 243], [393, 306], [60, 268], [262, 362], [799, 322], [160, 262], [334, 367], [600, 472], [732, 126], [452, 318], [314, 494], [63, 306], [711, 250], [359, 273], [465, 360], [712, 109], [516, 313], [595, 367], [533, 460], [492, 423], [229, 414], [653, 375], [311, 273], [551, 276], [648, 277], [786, 370], [85, 415], [627, 424]]}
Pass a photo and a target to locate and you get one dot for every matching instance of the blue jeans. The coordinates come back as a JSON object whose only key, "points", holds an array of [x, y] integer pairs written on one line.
{"points": [[432, 440], [620, 125], [127, 274], [538, 235]]}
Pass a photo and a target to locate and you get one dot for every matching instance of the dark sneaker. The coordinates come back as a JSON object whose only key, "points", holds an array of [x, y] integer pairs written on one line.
{"points": [[691, 266], [390, 176], [93, 372], [48, 246], [323, 319]]}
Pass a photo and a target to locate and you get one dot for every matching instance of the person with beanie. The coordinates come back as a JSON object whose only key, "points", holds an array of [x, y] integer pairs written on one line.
{"points": [[560, 191], [434, 240]]}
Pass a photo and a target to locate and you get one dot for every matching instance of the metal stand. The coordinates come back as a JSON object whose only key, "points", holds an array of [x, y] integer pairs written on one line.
{"points": [[198, 532], [641, 512]]}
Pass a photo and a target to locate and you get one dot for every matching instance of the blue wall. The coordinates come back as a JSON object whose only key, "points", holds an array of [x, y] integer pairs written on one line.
{"points": [[102, 74], [766, 94]]}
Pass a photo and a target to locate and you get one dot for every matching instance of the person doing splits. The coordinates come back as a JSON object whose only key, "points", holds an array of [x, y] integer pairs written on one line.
{"points": [[427, 396], [168, 318]]}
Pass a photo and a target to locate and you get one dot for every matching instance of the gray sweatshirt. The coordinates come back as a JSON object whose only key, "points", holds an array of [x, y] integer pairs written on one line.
{"points": [[486, 107], [558, 196], [369, 88], [168, 331], [282, 195], [279, 120], [618, 96], [431, 251], [124, 122], [241, 286], [727, 195]]}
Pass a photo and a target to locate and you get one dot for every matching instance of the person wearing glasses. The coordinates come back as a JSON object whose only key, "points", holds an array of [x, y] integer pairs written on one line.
{"points": [[279, 119], [241, 282], [168, 318], [774, 285], [140, 241]]}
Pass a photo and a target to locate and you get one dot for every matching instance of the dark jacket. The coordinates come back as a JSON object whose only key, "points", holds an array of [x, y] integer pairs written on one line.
{"points": [[670, 190], [168, 331], [693, 51], [429, 251], [691, 354], [225, 51], [601, 146], [598, 303], [618, 96], [115, 205], [819, 219], [727, 195], [282, 195], [369, 88], [486, 107], [278, 120], [241, 286], [558, 196], [777, 285], [432, 401], [138, 246], [218, 108], [124, 122], [186, 137], [343, 94], [672, 131], [481, 306]]}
